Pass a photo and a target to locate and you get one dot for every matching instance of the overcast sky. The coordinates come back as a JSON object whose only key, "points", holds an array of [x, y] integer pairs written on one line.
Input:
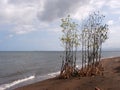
{"points": [[33, 25]]}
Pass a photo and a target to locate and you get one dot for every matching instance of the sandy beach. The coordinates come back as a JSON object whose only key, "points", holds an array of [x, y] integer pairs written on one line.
{"points": [[109, 81]]}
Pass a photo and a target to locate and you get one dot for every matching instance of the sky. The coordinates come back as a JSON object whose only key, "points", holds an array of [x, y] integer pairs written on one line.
{"points": [[34, 25]]}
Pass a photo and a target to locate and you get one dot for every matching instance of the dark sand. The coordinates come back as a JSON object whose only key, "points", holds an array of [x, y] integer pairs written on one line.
{"points": [[109, 81]]}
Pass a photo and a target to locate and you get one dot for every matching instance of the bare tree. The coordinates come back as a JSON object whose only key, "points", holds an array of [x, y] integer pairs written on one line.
{"points": [[94, 33], [70, 41]]}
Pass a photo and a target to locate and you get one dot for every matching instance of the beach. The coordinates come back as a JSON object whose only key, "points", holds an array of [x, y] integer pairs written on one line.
{"points": [[109, 81]]}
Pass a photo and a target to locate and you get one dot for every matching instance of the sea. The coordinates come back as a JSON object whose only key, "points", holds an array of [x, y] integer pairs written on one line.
{"points": [[19, 68]]}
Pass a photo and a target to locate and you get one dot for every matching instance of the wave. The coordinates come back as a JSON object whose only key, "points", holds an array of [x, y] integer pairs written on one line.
{"points": [[6, 86], [40, 78], [54, 74], [36, 79]]}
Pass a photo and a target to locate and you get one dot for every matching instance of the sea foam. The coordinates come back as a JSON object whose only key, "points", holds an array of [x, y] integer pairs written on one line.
{"points": [[6, 86], [54, 74]]}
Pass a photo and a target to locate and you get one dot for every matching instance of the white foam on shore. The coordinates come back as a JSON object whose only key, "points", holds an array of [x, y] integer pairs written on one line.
{"points": [[6, 86], [9, 85], [78, 66], [54, 74], [37, 78], [108, 57]]}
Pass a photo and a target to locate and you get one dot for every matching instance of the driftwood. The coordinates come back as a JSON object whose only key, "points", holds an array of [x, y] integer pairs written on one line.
{"points": [[96, 88]]}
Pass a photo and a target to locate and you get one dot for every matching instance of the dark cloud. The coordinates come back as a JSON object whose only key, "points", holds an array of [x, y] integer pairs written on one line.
{"points": [[25, 2], [54, 9]]}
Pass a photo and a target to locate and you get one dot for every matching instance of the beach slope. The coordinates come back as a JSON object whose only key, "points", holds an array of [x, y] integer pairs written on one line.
{"points": [[109, 81]]}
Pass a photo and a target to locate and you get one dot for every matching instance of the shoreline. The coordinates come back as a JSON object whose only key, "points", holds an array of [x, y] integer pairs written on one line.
{"points": [[109, 81]]}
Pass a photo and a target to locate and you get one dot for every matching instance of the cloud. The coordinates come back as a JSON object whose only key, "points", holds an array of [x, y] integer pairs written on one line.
{"points": [[113, 41], [21, 14], [114, 4], [54, 9], [14, 12], [116, 12], [30, 15], [91, 6], [97, 3], [23, 29], [26, 16], [110, 22]]}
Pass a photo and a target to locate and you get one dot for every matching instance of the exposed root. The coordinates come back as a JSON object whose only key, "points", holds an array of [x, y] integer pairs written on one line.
{"points": [[67, 72], [91, 70]]}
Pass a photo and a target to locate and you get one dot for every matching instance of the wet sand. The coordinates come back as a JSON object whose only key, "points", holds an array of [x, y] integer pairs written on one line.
{"points": [[109, 81]]}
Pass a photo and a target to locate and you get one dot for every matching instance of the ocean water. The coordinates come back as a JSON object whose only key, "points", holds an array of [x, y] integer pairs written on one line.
{"points": [[22, 68]]}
